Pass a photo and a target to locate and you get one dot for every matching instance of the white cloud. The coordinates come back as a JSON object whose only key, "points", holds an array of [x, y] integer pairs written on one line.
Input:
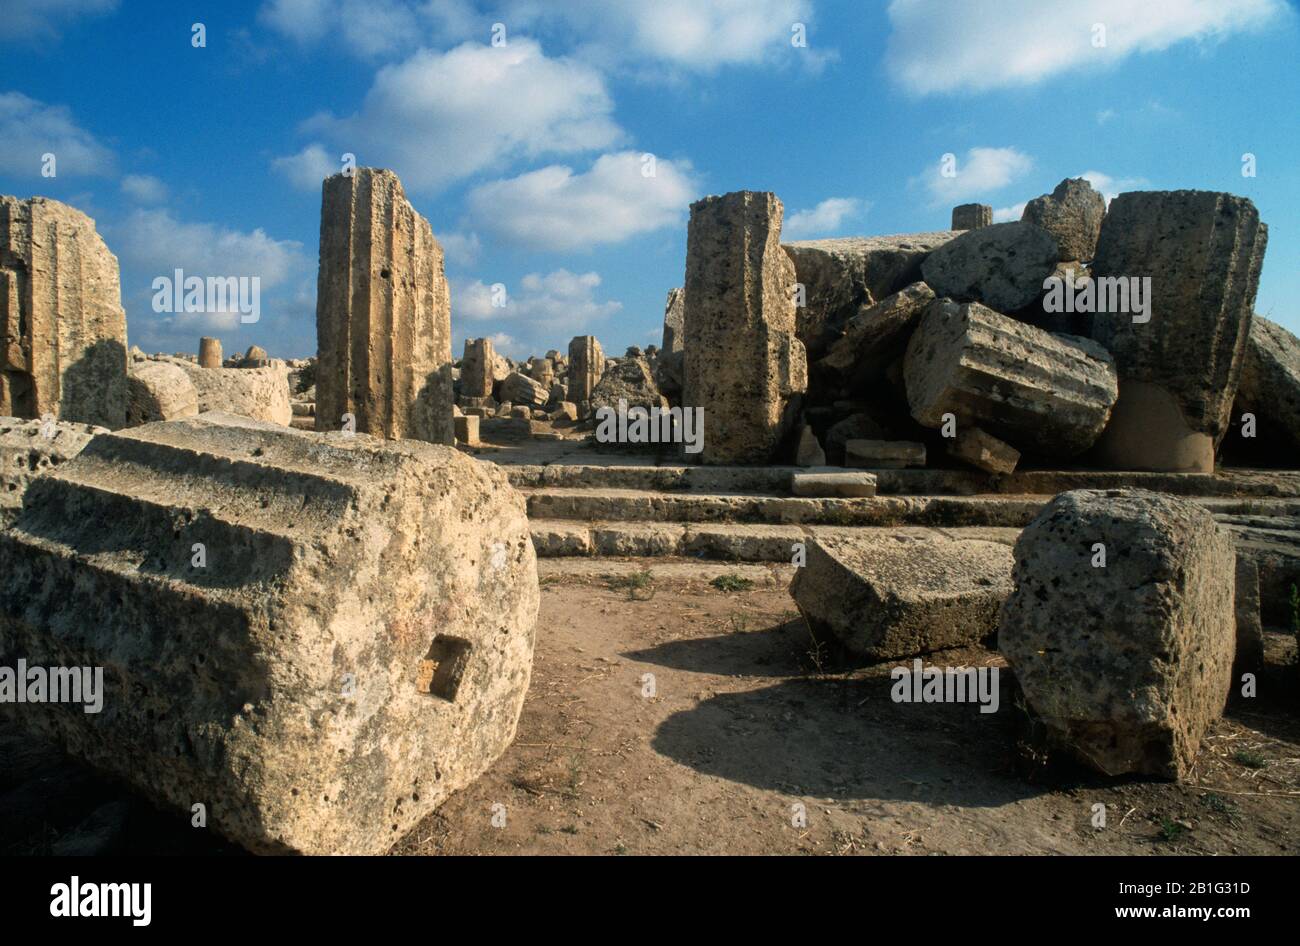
{"points": [[372, 29], [43, 19], [823, 220], [1112, 187], [152, 243], [30, 129], [439, 117], [981, 171], [555, 209], [1009, 214], [309, 167], [559, 300], [144, 188], [938, 46], [461, 249]]}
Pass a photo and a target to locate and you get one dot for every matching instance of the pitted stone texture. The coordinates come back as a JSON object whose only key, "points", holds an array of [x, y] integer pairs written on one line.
{"points": [[832, 483], [209, 352], [902, 593], [1203, 252], [971, 216], [629, 380], [586, 367], [157, 390], [1072, 213], [62, 325], [1126, 665], [983, 451], [476, 368], [875, 337], [357, 647], [259, 393], [744, 365], [1051, 394], [1270, 381], [383, 313], [884, 454], [842, 275], [519, 389], [671, 365], [32, 448], [1002, 266]]}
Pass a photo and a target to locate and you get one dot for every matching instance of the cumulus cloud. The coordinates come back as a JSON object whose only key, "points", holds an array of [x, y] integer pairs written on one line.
{"points": [[460, 249], [981, 171], [559, 300], [1111, 187], [44, 19], [309, 167], [439, 117], [371, 29], [938, 46], [1009, 214], [553, 208], [824, 220], [30, 129], [144, 188]]}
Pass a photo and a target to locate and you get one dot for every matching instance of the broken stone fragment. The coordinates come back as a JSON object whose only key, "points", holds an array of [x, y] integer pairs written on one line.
{"points": [[1270, 385], [971, 216], [32, 448], [884, 454], [875, 337], [1051, 394], [1072, 214], [1125, 663], [901, 593], [353, 646], [1002, 266], [467, 429], [630, 381], [259, 393], [521, 390], [1250, 629], [983, 451], [586, 367], [157, 390], [808, 451], [476, 366]]}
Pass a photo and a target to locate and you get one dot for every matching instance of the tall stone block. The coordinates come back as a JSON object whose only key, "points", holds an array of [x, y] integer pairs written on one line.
{"points": [[1178, 371], [62, 325], [476, 368], [355, 647], [586, 367], [383, 313], [744, 364], [209, 352], [971, 216]]}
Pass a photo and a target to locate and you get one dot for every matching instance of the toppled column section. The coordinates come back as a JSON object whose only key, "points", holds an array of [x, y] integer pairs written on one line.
{"points": [[354, 644], [1125, 664], [1180, 360], [383, 313], [744, 365], [62, 325], [1051, 394]]}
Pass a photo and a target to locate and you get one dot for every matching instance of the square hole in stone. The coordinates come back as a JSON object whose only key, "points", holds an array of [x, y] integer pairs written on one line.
{"points": [[443, 666]]}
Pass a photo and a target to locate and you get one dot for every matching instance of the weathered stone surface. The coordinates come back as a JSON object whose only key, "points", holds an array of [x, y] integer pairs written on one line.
{"points": [[1203, 252], [858, 426], [808, 450], [255, 357], [905, 593], [383, 313], [1072, 214], [543, 372], [674, 321], [1002, 266], [884, 454], [983, 451], [476, 366], [1051, 394], [876, 336], [971, 216], [209, 352], [32, 448], [157, 390], [357, 647], [1250, 629], [744, 365], [586, 367], [519, 389], [1125, 665], [1270, 382], [467, 430], [629, 380], [259, 393], [842, 275], [62, 325], [833, 483]]}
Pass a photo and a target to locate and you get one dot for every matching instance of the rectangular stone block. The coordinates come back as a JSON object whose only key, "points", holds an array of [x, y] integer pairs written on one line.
{"points": [[476, 369], [884, 454], [586, 367], [832, 484], [467, 430], [971, 216], [983, 451]]}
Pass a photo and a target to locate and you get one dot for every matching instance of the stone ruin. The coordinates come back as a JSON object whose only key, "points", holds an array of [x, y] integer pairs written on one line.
{"points": [[946, 447]]}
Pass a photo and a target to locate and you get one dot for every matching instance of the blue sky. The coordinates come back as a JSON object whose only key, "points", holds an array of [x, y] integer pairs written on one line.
{"points": [[528, 158]]}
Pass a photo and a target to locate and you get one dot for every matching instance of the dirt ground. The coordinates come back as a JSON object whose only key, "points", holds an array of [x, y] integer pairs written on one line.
{"points": [[670, 716]]}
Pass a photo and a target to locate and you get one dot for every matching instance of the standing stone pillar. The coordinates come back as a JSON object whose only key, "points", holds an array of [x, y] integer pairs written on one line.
{"points": [[209, 352], [744, 365], [586, 367], [971, 216], [62, 325], [1180, 362], [383, 313], [476, 368]]}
